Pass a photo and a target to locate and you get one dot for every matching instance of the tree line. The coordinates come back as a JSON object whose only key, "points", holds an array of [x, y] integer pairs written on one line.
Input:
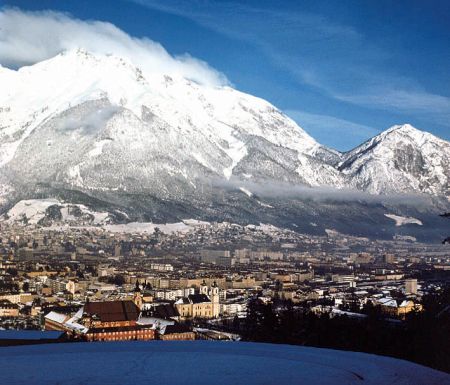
{"points": [[423, 337]]}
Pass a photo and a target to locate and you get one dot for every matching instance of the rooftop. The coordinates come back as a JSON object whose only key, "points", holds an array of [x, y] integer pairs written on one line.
{"points": [[113, 311]]}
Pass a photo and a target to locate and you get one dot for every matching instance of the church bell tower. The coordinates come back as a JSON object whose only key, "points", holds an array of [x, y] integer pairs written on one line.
{"points": [[214, 296], [137, 296]]}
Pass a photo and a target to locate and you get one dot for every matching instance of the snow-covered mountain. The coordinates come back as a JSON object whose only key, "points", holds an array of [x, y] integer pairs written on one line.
{"points": [[96, 130], [77, 105], [400, 159]]}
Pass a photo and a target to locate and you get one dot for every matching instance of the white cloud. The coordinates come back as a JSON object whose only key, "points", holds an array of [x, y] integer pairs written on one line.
{"points": [[30, 37], [91, 123], [281, 190]]}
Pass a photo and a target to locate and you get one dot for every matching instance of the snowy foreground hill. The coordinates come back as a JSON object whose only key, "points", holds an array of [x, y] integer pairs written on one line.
{"points": [[97, 131], [202, 362]]}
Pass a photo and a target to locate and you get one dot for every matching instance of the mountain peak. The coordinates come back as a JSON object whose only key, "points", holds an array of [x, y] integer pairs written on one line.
{"points": [[404, 128], [400, 159], [409, 132], [83, 56], [79, 52]]}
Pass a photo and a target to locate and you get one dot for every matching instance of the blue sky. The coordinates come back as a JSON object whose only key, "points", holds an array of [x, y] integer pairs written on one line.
{"points": [[344, 70]]}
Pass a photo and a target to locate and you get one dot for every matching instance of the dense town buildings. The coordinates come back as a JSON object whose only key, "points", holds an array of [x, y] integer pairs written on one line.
{"points": [[99, 285]]}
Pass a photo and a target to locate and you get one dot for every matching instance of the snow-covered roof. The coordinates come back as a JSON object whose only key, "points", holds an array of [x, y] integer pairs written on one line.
{"points": [[406, 303], [348, 313], [158, 322], [69, 323], [387, 302], [56, 317], [75, 326]]}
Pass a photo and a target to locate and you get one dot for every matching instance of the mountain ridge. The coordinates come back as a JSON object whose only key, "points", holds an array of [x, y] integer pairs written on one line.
{"points": [[418, 159], [98, 126]]}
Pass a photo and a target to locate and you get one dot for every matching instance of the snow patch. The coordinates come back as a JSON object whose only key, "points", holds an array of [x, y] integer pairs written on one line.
{"points": [[31, 211], [246, 191], [265, 205], [98, 148], [400, 221], [147, 227]]}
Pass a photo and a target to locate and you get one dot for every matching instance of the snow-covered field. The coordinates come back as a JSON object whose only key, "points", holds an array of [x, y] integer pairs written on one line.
{"points": [[147, 227], [33, 210], [203, 362]]}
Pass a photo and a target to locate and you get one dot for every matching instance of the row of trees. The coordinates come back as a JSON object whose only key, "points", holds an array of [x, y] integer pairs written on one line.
{"points": [[423, 337]]}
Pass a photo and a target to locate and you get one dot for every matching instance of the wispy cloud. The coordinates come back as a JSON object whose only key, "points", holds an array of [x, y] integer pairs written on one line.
{"points": [[334, 58], [404, 100], [382, 91], [30, 37], [328, 129], [292, 32]]}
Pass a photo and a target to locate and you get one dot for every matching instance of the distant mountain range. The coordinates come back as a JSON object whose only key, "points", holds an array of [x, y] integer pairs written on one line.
{"points": [[95, 130]]}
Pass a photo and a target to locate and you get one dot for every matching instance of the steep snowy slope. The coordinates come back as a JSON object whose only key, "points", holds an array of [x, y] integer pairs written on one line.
{"points": [[400, 159], [90, 111]]}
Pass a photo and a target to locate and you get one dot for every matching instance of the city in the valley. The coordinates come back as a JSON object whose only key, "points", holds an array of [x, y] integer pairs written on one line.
{"points": [[199, 281]]}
